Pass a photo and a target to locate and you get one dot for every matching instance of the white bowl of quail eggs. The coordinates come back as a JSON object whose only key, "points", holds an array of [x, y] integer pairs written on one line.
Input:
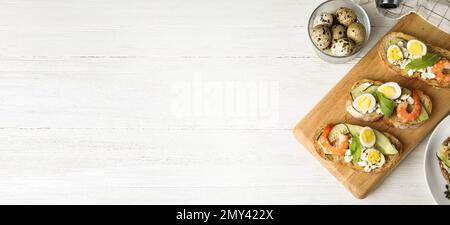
{"points": [[338, 30]]}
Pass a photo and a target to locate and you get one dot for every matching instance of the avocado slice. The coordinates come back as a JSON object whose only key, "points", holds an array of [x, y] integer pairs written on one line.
{"points": [[382, 143], [360, 89], [336, 131], [324, 149], [354, 129], [406, 91], [422, 116], [334, 135], [372, 90], [443, 155], [395, 41], [423, 113]]}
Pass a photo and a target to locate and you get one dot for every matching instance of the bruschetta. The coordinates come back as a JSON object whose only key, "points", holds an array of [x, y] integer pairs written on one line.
{"points": [[397, 106], [361, 148], [410, 57], [443, 155]]}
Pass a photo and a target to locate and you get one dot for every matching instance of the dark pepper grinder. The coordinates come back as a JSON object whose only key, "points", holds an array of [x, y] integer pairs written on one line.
{"points": [[388, 4]]}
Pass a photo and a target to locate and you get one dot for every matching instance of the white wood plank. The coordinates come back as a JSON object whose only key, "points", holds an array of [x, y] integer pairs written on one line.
{"points": [[135, 91], [177, 167], [87, 94]]}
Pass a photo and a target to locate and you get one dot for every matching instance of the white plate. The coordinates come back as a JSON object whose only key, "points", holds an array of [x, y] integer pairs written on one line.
{"points": [[435, 179]]}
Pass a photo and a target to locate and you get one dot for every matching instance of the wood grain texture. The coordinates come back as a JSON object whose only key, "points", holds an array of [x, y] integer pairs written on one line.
{"points": [[372, 67], [85, 104]]}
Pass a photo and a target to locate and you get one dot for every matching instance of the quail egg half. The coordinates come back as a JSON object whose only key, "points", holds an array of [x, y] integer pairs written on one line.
{"points": [[365, 103], [367, 137], [390, 90], [416, 49]]}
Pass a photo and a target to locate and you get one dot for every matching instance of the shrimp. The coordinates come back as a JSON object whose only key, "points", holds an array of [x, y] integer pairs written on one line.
{"points": [[402, 109], [342, 143], [441, 69]]}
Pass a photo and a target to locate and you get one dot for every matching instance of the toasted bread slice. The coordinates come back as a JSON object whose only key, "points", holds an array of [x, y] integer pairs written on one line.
{"points": [[441, 164], [392, 120], [427, 106], [385, 43], [444, 171], [391, 160], [368, 117]]}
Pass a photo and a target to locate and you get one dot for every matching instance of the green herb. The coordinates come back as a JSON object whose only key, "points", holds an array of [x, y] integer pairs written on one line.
{"points": [[423, 62], [386, 104], [355, 148]]}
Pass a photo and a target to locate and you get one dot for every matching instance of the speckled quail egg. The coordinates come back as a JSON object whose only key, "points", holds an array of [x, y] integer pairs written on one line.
{"points": [[321, 36], [337, 32], [342, 47], [324, 18], [345, 16], [356, 32]]}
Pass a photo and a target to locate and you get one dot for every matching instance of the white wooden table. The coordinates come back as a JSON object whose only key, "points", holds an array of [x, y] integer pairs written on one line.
{"points": [[126, 102]]}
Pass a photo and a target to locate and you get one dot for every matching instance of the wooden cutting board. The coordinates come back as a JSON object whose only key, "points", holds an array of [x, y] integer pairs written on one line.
{"points": [[372, 67]]}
